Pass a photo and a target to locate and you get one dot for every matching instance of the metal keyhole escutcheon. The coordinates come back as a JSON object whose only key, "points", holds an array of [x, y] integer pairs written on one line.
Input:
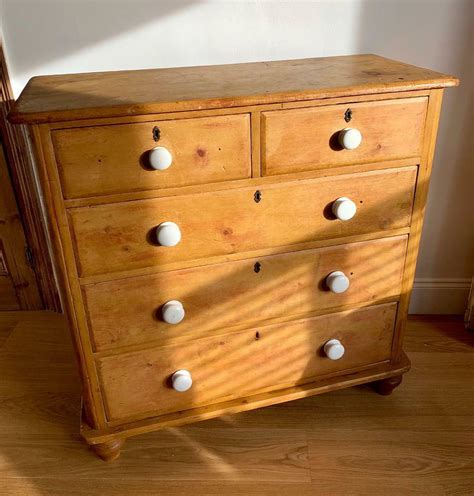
{"points": [[156, 133]]}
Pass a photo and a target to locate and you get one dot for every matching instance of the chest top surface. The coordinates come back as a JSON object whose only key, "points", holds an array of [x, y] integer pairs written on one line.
{"points": [[112, 94]]}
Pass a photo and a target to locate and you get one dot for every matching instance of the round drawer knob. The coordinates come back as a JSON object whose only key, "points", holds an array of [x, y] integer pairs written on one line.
{"points": [[181, 380], [344, 208], [337, 282], [334, 349], [168, 234], [160, 158], [173, 312], [350, 138]]}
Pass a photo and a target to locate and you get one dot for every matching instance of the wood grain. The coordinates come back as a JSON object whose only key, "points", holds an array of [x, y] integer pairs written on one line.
{"points": [[84, 487], [239, 363], [8, 298], [111, 235], [247, 109], [255, 181], [121, 313], [103, 160], [7, 324], [305, 139], [67, 277], [108, 451], [417, 441], [419, 205], [79, 96], [322, 385], [366, 455], [19, 288], [22, 177], [117, 237]]}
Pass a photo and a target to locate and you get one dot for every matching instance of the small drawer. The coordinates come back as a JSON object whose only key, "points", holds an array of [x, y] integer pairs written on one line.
{"points": [[173, 230], [312, 138], [141, 384], [177, 305], [119, 158]]}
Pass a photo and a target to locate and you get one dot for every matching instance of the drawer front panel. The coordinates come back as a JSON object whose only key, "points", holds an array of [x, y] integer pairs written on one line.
{"points": [[103, 160], [129, 311], [138, 384], [305, 139], [119, 237]]}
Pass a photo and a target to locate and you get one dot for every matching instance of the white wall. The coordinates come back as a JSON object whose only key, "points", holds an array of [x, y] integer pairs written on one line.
{"points": [[47, 37]]}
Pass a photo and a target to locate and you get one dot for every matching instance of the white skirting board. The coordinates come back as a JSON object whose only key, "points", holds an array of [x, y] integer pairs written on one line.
{"points": [[439, 296]]}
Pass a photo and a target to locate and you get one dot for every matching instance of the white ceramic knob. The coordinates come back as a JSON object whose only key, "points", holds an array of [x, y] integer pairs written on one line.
{"points": [[334, 349], [160, 158], [344, 208], [337, 282], [168, 234], [350, 138], [181, 380], [172, 312]]}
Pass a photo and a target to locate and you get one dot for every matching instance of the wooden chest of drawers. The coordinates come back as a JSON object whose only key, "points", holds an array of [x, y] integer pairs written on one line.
{"points": [[231, 237]]}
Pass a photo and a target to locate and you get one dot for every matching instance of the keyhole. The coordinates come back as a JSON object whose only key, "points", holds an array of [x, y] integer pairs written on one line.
{"points": [[156, 133], [348, 115], [257, 267], [257, 196]]}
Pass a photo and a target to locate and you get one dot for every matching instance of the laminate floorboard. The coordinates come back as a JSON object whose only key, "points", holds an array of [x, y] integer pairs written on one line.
{"points": [[418, 441]]}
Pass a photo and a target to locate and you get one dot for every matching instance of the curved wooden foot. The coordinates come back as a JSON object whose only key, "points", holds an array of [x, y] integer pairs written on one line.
{"points": [[108, 451], [386, 386]]}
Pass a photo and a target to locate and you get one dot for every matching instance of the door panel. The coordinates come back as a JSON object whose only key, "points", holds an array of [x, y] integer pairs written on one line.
{"points": [[18, 287]]}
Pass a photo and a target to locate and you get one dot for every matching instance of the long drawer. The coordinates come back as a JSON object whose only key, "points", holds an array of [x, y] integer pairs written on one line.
{"points": [[130, 311], [304, 139], [138, 384], [122, 236], [107, 159]]}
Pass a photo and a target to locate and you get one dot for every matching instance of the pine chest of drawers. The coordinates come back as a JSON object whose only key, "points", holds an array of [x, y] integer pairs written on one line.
{"points": [[235, 236]]}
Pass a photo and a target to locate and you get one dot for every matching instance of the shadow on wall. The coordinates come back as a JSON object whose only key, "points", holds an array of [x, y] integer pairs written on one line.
{"points": [[447, 46], [105, 20]]}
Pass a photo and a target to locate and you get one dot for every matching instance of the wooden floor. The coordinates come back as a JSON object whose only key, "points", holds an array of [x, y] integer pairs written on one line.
{"points": [[419, 441]]}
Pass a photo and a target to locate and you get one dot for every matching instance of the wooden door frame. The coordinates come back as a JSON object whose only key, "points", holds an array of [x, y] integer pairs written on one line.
{"points": [[28, 197], [21, 276]]}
